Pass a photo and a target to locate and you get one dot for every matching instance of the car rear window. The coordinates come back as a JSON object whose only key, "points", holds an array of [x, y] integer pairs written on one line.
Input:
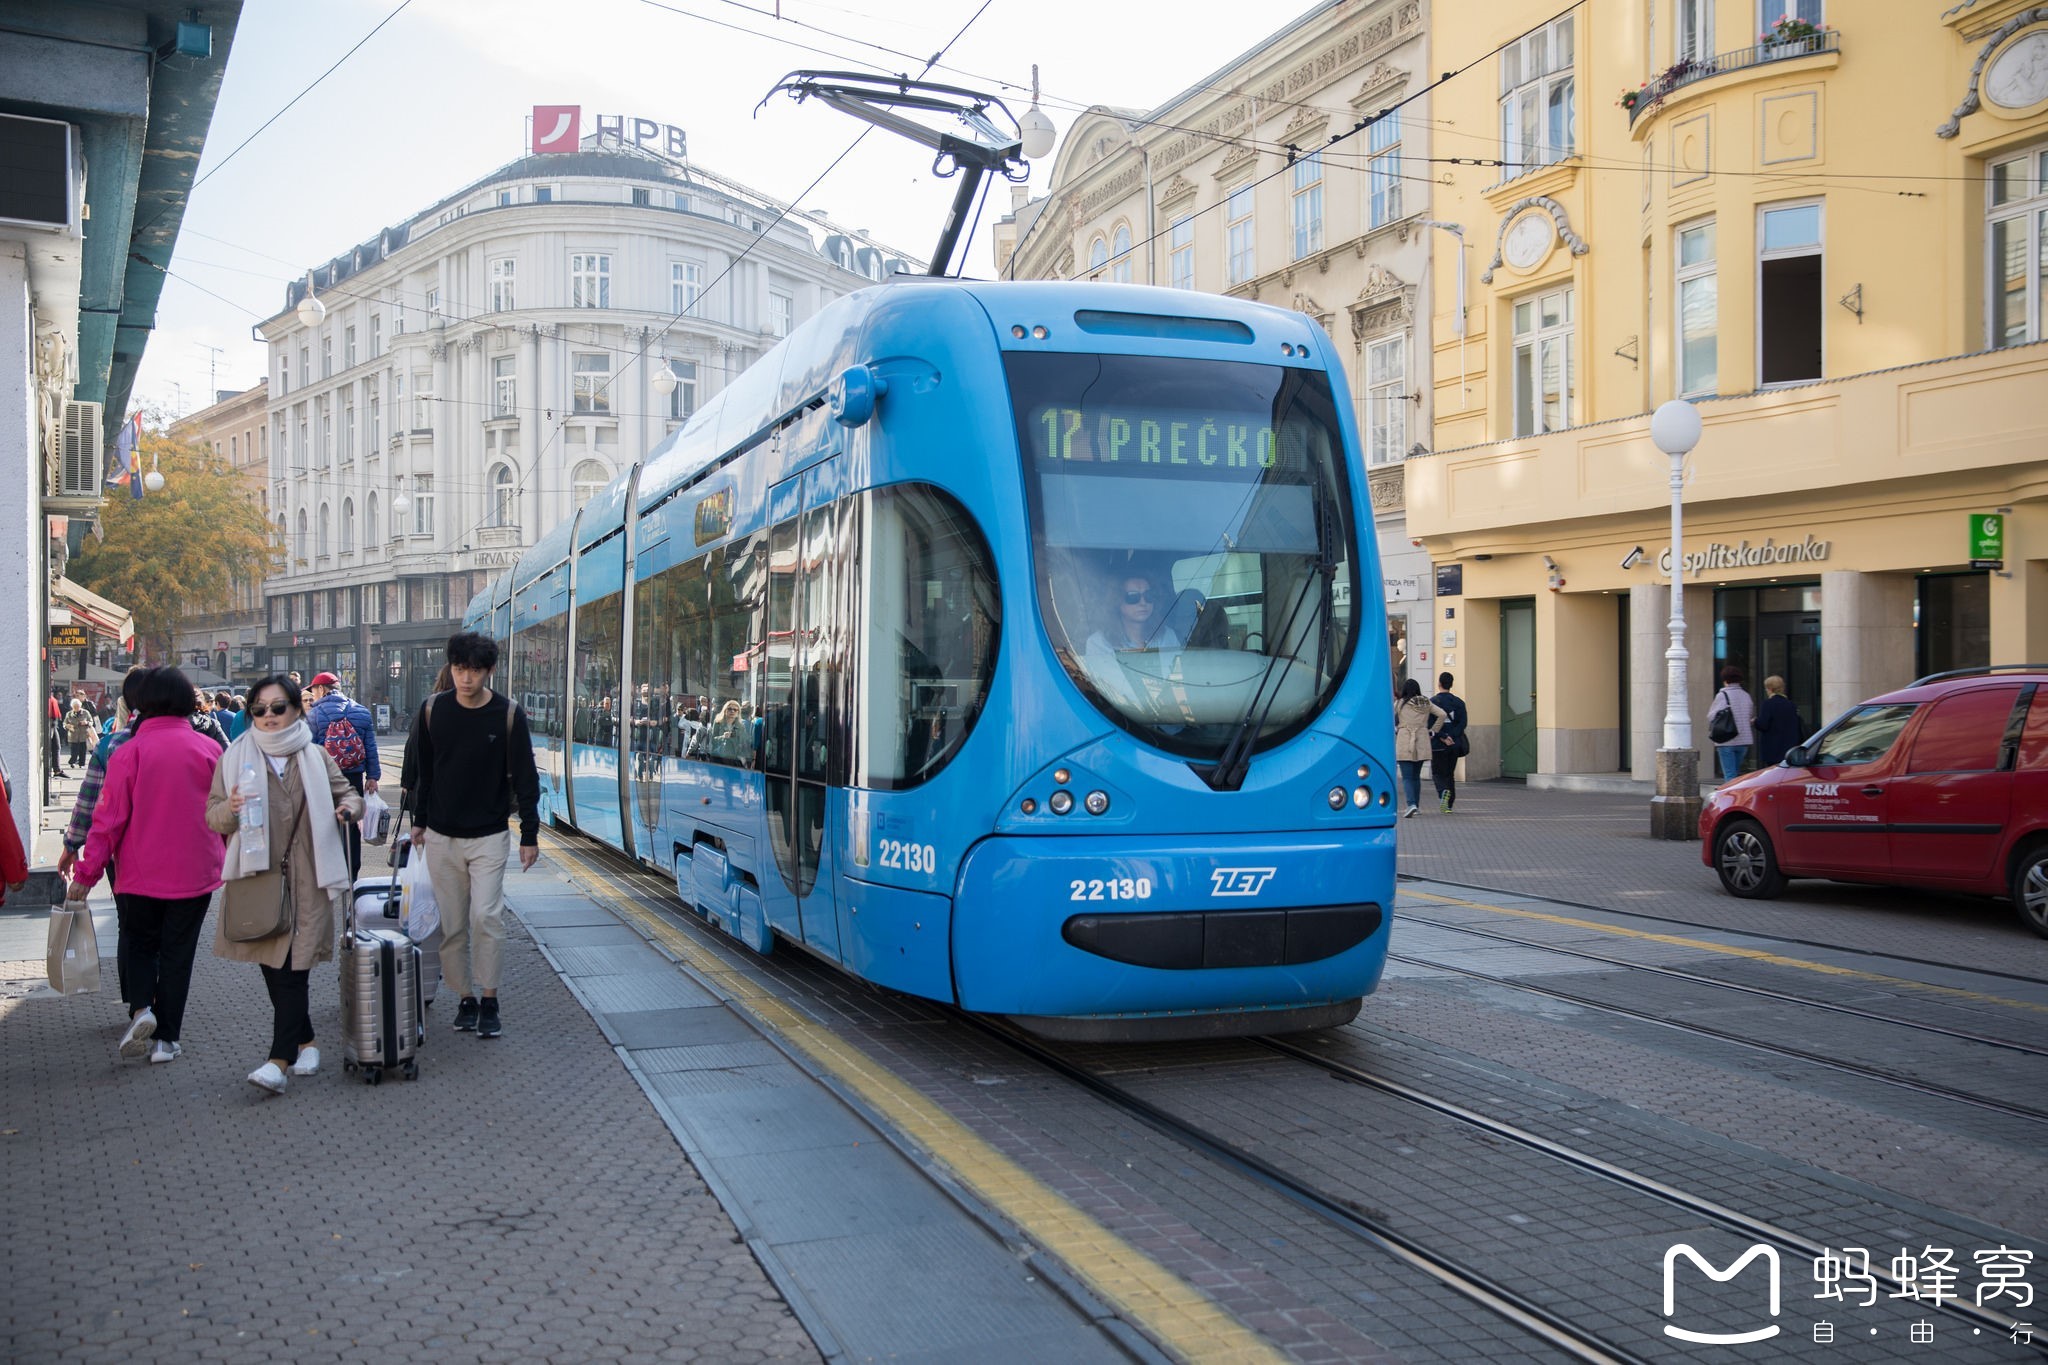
{"points": [[1963, 732], [1864, 735]]}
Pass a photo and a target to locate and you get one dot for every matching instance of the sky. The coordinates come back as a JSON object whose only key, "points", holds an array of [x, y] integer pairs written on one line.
{"points": [[439, 97]]}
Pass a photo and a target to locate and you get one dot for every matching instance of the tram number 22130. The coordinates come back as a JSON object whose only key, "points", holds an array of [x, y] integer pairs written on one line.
{"points": [[908, 857], [1110, 889]]}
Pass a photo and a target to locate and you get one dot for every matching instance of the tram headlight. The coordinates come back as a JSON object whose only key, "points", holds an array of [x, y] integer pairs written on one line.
{"points": [[1363, 772], [1060, 777], [1336, 798], [1061, 803], [1096, 802], [1030, 806], [1361, 797], [1383, 800]]}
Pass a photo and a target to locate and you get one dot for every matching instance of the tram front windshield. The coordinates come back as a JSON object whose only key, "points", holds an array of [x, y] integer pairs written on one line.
{"points": [[1192, 531]]}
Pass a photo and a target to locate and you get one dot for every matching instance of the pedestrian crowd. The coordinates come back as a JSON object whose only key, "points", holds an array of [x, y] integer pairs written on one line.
{"points": [[260, 798]]}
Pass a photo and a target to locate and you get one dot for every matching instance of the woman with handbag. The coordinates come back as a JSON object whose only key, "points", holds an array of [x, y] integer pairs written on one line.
{"points": [[277, 899], [1416, 719], [1730, 723]]}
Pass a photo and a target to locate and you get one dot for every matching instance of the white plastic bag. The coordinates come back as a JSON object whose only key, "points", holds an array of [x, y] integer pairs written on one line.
{"points": [[376, 819], [422, 912]]}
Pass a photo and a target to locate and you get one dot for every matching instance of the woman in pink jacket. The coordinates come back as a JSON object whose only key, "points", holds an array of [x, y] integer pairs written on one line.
{"points": [[151, 823]]}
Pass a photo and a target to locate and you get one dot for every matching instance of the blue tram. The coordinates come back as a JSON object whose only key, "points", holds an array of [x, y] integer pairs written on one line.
{"points": [[1013, 645]]}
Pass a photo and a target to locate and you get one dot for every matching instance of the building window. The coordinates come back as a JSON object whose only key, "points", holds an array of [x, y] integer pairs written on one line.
{"points": [[323, 546], [685, 287], [1098, 257], [506, 198], [1692, 30], [503, 275], [781, 313], [277, 452], [590, 280], [1788, 285], [348, 425], [1237, 216], [422, 400], [1543, 363], [326, 357], [301, 542], [1386, 399], [373, 595], [284, 376], [345, 607], [504, 498], [589, 478], [433, 598], [2016, 249], [433, 302], [301, 447], [376, 336], [325, 406], [348, 526], [1698, 311], [504, 386], [1308, 205], [1120, 254], [370, 522], [1180, 253], [319, 610], [305, 366], [1383, 171], [423, 505], [639, 198], [591, 378], [1537, 98], [543, 194], [1770, 12], [348, 348], [376, 422], [682, 400]]}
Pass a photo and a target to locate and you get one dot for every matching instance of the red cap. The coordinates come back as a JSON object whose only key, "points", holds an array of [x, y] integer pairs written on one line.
{"points": [[324, 680]]}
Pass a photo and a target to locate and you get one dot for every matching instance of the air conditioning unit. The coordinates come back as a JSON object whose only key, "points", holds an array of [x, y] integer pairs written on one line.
{"points": [[81, 457]]}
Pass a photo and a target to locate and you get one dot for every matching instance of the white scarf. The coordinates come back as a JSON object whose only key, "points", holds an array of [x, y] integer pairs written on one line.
{"points": [[330, 860]]}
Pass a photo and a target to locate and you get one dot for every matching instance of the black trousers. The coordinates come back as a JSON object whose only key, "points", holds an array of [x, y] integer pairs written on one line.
{"points": [[353, 835], [158, 939], [291, 1016], [1443, 771]]}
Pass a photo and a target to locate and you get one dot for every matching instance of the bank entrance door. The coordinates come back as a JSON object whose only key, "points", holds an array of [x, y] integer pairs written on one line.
{"points": [[1769, 631], [1518, 687]]}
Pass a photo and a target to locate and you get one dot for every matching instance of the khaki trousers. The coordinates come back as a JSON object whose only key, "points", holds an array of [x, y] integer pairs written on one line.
{"points": [[469, 883]]}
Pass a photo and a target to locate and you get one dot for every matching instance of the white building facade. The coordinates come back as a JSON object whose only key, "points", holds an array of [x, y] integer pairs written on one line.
{"points": [[1232, 187], [482, 369]]}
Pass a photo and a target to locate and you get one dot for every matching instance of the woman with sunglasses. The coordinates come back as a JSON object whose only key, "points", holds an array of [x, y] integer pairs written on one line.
{"points": [[307, 802]]}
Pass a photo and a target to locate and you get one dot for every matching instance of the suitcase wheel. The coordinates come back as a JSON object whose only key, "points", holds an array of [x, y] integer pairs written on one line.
{"points": [[373, 1075], [412, 1071]]}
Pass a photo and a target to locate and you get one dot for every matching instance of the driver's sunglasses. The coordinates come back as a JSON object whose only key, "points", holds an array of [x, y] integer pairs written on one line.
{"points": [[1146, 595], [274, 708]]}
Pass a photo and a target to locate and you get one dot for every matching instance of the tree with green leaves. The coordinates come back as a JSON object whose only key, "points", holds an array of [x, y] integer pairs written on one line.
{"points": [[180, 550]]}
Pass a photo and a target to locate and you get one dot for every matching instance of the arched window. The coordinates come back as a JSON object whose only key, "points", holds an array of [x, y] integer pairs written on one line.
{"points": [[589, 477], [325, 543], [504, 498], [1121, 249], [284, 535], [348, 526], [299, 549], [370, 523], [1098, 256]]}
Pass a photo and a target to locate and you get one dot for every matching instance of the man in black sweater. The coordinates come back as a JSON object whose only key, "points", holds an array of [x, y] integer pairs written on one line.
{"points": [[472, 761]]}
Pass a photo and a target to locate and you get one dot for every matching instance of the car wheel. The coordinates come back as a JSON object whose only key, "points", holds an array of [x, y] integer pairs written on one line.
{"points": [[2030, 888], [1748, 867]]}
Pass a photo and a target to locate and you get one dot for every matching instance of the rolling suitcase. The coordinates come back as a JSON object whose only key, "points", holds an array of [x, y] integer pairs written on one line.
{"points": [[380, 904], [383, 1011]]}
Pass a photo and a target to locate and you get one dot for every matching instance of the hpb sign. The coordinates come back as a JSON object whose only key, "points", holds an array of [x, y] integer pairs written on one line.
{"points": [[1987, 540], [559, 128]]}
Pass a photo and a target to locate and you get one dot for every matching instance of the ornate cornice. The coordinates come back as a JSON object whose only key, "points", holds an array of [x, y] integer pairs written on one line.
{"points": [[1557, 216], [1383, 80], [1237, 159], [1384, 303], [1177, 189], [1307, 124], [1972, 98]]}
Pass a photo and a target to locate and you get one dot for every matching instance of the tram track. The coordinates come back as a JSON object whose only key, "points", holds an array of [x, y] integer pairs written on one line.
{"points": [[1872, 1073], [1765, 992]]}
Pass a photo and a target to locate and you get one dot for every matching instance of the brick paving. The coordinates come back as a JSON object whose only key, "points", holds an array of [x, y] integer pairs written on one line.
{"points": [[520, 1201], [1595, 849]]}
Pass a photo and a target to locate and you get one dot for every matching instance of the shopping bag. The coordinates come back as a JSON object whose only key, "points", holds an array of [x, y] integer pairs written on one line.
{"points": [[74, 962], [376, 819], [422, 912]]}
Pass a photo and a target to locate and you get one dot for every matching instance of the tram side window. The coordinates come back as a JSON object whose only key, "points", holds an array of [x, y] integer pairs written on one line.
{"points": [[597, 671], [778, 651], [735, 573], [928, 585], [653, 638], [821, 708], [691, 658]]}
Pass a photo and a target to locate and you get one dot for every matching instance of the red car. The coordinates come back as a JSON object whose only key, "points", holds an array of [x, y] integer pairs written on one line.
{"points": [[1942, 785]]}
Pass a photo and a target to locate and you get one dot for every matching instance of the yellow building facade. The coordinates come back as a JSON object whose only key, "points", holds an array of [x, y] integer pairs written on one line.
{"points": [[1827, 224]]}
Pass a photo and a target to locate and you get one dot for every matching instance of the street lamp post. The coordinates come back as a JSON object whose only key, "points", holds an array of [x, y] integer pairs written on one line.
{"points": [[1675, 809]]}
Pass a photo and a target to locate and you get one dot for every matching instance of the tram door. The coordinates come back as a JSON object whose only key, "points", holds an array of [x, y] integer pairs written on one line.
{"points": [[803, 752]]}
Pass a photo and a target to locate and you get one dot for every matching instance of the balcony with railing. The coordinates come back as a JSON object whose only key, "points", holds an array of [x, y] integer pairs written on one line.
{"points": [[1692, 71]]}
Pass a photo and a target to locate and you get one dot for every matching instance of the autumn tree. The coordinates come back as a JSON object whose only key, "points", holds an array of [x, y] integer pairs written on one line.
{"points": [[178, 551]]}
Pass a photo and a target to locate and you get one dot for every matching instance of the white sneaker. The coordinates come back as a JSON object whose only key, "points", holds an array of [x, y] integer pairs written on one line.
{"points": [[308, 1063], [1409, 813], [270, 1076], [164, 1052], [141, 1029]]}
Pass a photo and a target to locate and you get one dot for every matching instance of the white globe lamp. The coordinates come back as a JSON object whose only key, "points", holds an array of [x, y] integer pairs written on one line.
{"points": [[1038, 133], [400, 505], [310, 310], [663, 378], [153, 481], [1675, 427]]}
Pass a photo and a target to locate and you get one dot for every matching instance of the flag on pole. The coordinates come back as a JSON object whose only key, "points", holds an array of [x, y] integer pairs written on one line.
{"points": [[121, 467]]}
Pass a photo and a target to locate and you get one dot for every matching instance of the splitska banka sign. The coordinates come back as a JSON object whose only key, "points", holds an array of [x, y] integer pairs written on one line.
{"points": [[559, 128]]}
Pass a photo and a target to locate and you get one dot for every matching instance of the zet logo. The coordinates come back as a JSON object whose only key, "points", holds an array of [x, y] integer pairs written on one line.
{"points": [[554, 127], [1240, 881], [1770, 1257]]}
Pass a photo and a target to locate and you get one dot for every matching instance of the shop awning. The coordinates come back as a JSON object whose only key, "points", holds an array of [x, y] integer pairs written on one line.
{"points": [[96, 612]]}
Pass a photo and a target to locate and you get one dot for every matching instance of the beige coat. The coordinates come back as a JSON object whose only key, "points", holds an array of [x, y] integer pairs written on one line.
{"points": [[311, 937], [1414, 722]]}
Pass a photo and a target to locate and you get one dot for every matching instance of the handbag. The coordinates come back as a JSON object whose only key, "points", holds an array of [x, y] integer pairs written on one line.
{"points": [[1721, 725], [260, 908], [74, 957]]}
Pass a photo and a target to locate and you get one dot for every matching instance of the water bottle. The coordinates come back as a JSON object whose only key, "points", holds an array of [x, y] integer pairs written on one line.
{"points": [[255, 838]]}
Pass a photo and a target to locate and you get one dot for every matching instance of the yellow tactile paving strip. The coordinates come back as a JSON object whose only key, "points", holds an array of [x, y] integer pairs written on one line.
{"points": [[1730, 950], [1169, 1310]]}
